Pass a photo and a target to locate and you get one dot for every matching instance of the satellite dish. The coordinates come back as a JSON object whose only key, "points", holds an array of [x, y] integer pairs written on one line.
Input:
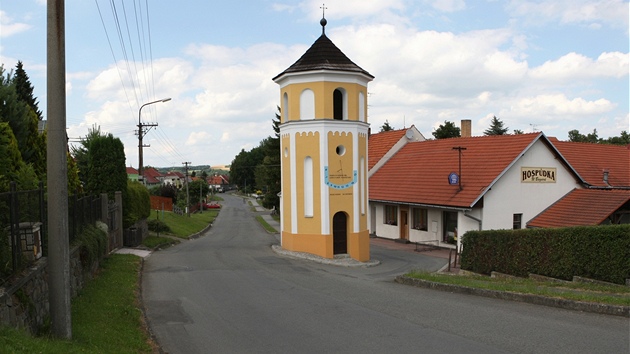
{"points": [[409, 134]]}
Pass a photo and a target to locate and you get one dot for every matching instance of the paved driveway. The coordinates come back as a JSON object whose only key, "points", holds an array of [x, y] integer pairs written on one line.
{"points": [[228, 292]]}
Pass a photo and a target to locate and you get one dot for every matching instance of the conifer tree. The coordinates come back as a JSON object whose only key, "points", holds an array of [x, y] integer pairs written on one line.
{"points": [[496, 127], [24, 89]]}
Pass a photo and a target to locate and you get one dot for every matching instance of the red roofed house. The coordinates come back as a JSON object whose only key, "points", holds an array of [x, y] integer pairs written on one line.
{"points": [[132, 174], [422, 195], [605, 170], [152, 177], [218, 182], [174, 178], [385, 144]]}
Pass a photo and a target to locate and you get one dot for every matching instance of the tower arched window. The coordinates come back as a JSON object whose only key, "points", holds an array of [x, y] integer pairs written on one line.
{"points": [[340, 111], [308, 187], [361, 107], [285, 108], [307, 104]]}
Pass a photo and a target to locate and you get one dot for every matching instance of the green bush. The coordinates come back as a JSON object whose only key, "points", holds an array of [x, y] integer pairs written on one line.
{"points": [[139, 203], [597, 252], [158, 226], [93, 244]]}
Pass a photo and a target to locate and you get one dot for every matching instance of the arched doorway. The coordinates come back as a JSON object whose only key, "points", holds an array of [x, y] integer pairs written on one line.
{"points": [[340, 233]]}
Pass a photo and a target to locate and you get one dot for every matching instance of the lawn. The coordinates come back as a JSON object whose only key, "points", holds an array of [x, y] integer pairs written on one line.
{"points": [[605, 294], [184, 226], [105, 317]]}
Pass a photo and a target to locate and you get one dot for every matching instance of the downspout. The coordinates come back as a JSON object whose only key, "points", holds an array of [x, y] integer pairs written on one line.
{"points": [[474, 218], [459, 239]]}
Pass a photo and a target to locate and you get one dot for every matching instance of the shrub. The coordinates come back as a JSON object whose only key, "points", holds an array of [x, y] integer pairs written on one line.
{"points": [[139, 203], [158, 226], [597, 252]]}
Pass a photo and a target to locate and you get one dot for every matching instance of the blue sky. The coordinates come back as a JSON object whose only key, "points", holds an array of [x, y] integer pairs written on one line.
{"points": [[544, 65]]}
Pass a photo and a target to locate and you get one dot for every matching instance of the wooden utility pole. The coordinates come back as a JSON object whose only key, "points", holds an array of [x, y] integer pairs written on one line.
{"points": [[459, 148], [56, 166], [186, 181]]}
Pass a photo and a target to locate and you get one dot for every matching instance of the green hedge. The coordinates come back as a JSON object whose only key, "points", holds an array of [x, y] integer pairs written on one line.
{"points": [[139, 203], [596, 252]]}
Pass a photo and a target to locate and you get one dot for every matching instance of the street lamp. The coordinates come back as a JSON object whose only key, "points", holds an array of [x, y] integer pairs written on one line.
{"points": [[141, 133]]}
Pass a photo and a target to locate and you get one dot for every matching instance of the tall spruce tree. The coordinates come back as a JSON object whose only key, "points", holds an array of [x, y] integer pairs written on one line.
{"points": [[24, 89], [496, 127]]}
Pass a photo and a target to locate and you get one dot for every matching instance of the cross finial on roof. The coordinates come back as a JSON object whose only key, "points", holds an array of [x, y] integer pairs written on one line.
{"points": [[323, 20]]}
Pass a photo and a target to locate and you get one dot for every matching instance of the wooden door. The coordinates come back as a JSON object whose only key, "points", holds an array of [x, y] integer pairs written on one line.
{"points": [[340, 233]]}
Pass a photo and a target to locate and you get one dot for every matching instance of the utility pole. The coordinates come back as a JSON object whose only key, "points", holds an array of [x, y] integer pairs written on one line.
{"points": [[186, 181], [459, 148], [142, 131], [56, 165]]}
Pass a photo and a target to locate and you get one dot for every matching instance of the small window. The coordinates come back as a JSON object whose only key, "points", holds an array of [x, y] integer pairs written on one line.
{"points": [[517, 221], [391, 215], [419, 219]]}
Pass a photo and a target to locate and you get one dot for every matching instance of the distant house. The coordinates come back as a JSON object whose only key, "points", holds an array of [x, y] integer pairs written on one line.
{"points": [[219, 183], [152, 177], [174, 178], [132, 174]]}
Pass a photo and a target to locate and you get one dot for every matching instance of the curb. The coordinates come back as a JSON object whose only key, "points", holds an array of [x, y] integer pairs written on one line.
{"points": [[615, 310]]}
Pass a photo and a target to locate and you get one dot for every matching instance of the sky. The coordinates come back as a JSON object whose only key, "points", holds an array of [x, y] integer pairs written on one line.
{"points": [[537, 65]]}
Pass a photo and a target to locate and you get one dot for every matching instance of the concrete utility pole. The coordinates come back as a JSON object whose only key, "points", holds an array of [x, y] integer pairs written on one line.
{"points": [[142, 132], [187, 195], [56, 166]]}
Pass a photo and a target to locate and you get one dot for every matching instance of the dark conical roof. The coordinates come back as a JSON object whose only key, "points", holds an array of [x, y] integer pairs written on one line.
{"points": [[323, 55]]}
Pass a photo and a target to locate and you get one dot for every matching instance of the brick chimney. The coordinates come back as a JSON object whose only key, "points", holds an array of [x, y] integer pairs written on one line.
{"points": [[466, 128]]}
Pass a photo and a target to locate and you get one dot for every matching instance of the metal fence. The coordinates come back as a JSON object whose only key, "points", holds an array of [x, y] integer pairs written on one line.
{"points": [[24, 227]]}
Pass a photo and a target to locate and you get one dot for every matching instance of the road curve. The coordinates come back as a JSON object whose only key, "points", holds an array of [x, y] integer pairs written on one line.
{"points": [[228, 292]]}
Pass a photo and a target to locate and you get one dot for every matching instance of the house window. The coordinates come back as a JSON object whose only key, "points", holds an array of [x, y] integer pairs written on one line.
{"points": [[419, 219], [391, 215], [516, 221]]}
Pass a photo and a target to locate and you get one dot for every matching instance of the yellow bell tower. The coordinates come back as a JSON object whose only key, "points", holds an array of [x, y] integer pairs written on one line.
{"points": [[324, 137]]}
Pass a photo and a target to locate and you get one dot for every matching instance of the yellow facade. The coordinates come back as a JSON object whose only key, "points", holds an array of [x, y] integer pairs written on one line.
{"points": [[324, 199]]}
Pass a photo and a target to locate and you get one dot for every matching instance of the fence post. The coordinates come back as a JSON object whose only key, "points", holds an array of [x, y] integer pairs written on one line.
{"points": [[42, 218], [14, 221], [119, 217]]}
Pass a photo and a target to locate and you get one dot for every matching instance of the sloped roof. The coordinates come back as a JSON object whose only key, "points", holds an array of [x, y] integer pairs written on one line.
{"points": [[582, 207], [379, 144], [418, 173], [131, 171], [590, 160], [218, 179], [323, 55]]}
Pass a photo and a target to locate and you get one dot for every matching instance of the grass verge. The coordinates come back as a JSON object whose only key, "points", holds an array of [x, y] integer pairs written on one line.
{"points": [[105, 317], [153, 242], [604, 294], [182, 225], [266, 225]]}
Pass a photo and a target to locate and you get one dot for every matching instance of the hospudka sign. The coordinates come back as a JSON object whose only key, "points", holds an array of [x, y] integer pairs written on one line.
{"points": [[538, 175]]}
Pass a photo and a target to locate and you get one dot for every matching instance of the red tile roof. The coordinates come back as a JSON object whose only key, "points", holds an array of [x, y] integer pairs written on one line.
{"points": [[590, 161], [218, 179], [151, 175], [380, 143], [582, 207], [132, 171], [419, 172]]}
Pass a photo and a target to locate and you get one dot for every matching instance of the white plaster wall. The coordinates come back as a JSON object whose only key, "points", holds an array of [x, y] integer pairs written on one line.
{"points": [[509, 196], [381, 229]]}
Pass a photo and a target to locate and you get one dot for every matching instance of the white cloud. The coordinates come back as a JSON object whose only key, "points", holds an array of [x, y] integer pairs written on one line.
{"points": [[9, 27], [577, 66], [448, 5], [600, 12]]}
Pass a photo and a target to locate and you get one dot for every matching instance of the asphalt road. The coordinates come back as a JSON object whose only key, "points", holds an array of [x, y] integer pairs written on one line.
{"points": [[228, 292]]}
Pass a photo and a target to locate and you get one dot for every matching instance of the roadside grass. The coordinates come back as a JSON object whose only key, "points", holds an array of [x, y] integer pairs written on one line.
{"points": [[105, 316], [215, 198], [265, 224], [184, 226], [604, 294], [153, 241]]}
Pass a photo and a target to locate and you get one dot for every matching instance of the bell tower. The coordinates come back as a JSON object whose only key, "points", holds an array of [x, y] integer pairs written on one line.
{"points": [[324, 137]]}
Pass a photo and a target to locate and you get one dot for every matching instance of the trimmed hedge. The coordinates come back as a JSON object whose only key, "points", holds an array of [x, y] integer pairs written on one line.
{"points": [[596, 252], [139, 203]]}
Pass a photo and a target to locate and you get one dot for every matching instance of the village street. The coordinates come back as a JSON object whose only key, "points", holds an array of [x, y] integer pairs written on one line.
{"points": [[229, 292]]}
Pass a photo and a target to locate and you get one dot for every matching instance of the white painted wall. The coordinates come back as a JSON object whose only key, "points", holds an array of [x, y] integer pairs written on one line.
{"points": [[509, 196]]}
